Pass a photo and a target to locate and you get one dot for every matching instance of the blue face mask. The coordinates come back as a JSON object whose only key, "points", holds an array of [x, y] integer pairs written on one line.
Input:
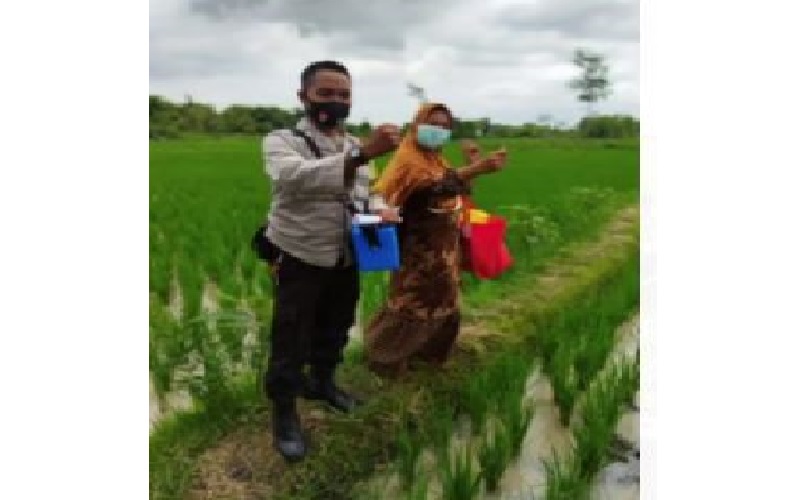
{"points": [[431, 136]]}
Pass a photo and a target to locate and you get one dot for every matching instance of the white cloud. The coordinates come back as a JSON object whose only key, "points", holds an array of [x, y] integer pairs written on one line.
{"points": [[508, 60]]}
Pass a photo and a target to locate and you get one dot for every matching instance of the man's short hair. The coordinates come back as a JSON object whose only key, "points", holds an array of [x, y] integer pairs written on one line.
{"points": [[307, 76]]}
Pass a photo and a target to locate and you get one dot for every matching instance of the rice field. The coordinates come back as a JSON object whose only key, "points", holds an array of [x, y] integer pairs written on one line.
{"points": [[211, 302], [472, 463]]}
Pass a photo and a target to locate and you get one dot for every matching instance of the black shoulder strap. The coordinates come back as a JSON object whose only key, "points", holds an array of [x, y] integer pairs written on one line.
{"points": [[315, 149], [311, 144]]}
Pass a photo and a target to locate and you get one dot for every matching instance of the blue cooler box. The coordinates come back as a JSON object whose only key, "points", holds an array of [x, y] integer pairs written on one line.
{"points": [[376, 247]]}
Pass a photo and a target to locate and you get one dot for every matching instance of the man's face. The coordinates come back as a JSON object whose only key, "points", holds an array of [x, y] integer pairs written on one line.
{"points": [[326, 99], [326, 86]]}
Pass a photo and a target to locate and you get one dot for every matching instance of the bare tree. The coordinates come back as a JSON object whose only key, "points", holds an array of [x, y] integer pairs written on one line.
{"points": [[592, 84]]}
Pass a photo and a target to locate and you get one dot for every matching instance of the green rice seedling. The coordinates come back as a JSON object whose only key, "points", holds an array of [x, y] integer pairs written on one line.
{"points": [[594, 435], [211, 388], [228, 281], [419, 490], [510, 376], [191, 284], [564, 481], [582, 360], [509, 383], [214, 380], [160, 369], [247, 269], [459, 480], [475, 400], [601, 412], [631, 377], [409, 449], [626, 376], [228, 301], [593, 351], [481, 291], [517, 418], [547, 343], [550, 335], [262, 284], [494, 455], [166, 346], [374, 291], [160, 275], [564, 381], [232, 330], [440, 429]]}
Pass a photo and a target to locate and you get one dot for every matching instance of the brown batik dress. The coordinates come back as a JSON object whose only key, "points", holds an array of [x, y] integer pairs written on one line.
{"points": [[421, 318]]}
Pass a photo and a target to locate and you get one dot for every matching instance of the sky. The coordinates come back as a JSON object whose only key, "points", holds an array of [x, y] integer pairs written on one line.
{"points": [[503, 59]]}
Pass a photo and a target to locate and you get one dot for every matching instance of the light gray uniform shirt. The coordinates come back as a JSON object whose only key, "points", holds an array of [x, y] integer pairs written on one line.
{"points": [[308, 217]]}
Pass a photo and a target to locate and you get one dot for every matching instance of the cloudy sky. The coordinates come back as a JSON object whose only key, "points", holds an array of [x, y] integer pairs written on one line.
{"points": [[505, 59]]}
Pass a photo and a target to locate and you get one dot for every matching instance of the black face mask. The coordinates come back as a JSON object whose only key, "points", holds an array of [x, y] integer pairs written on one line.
{"points": [[335, 113]]}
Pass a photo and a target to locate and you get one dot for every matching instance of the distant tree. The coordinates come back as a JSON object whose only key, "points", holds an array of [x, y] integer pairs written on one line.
{"points": [[173, 120], [608, 127], [165, 118], [197, 117], [364, 129], [483, 127], [238, 120], [592, 84], [271, 118], [466, 129], [159, 105]]}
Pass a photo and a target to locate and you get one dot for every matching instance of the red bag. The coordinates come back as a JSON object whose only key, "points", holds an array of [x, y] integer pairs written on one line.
{"points": [[486, 253]]}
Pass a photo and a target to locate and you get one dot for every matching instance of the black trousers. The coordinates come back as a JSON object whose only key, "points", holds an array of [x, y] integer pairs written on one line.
{"points": [[314, 307]]}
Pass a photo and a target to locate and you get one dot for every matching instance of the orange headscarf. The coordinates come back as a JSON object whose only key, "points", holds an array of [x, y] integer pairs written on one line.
{"points": [[412, 167]]}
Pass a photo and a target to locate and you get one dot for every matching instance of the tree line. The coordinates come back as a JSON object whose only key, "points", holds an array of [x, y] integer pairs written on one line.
{"points": [[171, 120]]}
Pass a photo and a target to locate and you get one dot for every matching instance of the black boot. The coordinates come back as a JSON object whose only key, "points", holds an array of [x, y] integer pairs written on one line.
{"points": [[321, 387], [288, 437]]}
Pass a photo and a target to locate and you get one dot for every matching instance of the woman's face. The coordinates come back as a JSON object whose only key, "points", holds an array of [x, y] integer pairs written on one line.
{"points": [[439, 118], [434, 131]]}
